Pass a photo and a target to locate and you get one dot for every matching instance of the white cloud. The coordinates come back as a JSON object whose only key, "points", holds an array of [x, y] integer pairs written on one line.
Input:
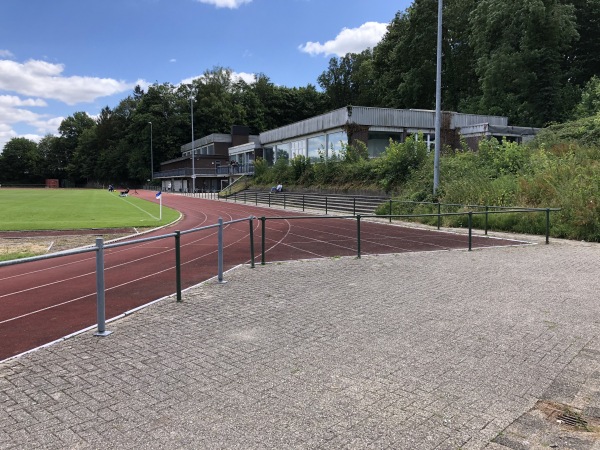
{"points": [[6, 54], [349, 40], [13, 112], [247, 77], [235, 76], [172, 60], [231, 4], [45, 80], [28, 85]]}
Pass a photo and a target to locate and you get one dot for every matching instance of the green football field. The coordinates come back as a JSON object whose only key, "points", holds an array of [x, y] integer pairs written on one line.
{"points": [[69, 209]]}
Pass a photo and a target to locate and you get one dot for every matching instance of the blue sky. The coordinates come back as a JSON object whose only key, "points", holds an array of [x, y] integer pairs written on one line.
{"points": [[58, 57]]}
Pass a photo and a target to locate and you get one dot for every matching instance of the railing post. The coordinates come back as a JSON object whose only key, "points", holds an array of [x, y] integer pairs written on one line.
{"points": [[358, 236], [302, 202], [470, 230], [325, 205], [100, 300], [251, 242], [220, 251], [178, 264], [283, 201], [269, 199], [263, 220], [547, 225], [486, 219], [439, 215], [353, 206]]}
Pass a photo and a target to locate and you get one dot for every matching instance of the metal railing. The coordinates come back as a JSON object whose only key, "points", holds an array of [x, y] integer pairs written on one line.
{"points": [[341, 203], [100, 247], [359, 217], [370, 204], [240, 169]]}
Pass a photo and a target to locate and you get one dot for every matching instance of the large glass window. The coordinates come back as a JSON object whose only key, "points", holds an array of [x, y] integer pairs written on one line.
{"points": [[298, 148], [379, 141], [283, 151], [316, 147], [335, 144], [269, 155]]}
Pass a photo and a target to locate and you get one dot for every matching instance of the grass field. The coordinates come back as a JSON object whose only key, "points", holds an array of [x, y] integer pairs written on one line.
{"points": [[70, 209]]}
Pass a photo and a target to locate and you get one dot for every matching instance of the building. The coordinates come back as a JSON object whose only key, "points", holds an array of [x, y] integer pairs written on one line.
{"points": [[323, 137]]}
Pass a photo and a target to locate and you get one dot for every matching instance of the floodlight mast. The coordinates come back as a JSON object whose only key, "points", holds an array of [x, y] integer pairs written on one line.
{"points": [[151, 155], [438, 103], [193, 150]]}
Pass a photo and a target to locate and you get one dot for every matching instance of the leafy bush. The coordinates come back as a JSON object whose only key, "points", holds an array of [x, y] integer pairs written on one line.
{"points": [[399, 161]]}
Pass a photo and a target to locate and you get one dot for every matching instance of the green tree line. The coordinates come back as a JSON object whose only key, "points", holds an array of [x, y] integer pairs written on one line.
{"points": [[531, 60], [115, 146]]}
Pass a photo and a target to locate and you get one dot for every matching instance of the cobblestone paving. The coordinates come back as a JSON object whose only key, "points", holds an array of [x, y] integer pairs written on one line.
{"points": [[435, 350]]}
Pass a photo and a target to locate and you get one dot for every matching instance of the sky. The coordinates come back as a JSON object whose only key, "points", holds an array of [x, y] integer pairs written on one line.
{"points": [[58, 57]]}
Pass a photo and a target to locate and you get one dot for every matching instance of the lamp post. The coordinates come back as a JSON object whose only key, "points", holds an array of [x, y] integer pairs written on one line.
{"points": [[151, 155], [438, 103], [193, 151]]}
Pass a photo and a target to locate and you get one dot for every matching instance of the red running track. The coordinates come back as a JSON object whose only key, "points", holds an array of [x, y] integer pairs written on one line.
{"points": [[46, 300]]}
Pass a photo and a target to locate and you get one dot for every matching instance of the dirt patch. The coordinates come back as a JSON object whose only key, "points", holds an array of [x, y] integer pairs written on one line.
{"points": [[40, 243]]}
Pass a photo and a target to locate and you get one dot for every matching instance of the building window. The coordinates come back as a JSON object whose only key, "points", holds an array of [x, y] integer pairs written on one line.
{"points": [[336, 143], [283, 151], [379, 141], [316, 147], [269, 155], [298, 148]]}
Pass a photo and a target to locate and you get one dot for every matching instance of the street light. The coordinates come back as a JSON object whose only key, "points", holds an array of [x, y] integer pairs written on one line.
{"points": [[151, 155], [438, 103], [193, 151]]}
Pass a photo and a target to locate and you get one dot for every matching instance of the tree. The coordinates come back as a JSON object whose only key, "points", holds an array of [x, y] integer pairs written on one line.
{"points": [[590, 99], [349, 80], [583, 58], [70, 129], [519, 46], [404, 60], [19, 161]]}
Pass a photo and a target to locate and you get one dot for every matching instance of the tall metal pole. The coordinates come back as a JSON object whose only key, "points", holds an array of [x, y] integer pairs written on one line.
{"points": [[438, 103], [193, 150], [151, 155]]}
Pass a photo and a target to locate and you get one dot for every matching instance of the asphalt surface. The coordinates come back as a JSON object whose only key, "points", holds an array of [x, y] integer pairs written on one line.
{"points": [[491, 349]]}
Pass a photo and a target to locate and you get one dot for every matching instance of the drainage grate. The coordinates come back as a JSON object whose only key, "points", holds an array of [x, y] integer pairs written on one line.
{"points": [[573, 420]]}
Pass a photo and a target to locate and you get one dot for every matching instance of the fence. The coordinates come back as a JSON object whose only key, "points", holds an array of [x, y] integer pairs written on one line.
{"points": [[341, 203], [366, 205], [100, 247], [359, 217]]}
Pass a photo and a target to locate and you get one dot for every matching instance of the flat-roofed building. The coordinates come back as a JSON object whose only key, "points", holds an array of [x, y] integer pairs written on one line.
{"points": [[325, 136]]}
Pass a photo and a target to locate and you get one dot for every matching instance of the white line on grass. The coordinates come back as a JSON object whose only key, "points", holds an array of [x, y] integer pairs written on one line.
{"points": [[154, 217]]}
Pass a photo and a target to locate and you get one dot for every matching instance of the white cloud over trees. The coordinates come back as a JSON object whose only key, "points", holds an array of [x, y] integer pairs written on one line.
{"points": [[45, 80], [349, 40]]}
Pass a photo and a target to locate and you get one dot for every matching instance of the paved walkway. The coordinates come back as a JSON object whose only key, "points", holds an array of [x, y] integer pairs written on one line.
{"points": [[436, 350]]}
